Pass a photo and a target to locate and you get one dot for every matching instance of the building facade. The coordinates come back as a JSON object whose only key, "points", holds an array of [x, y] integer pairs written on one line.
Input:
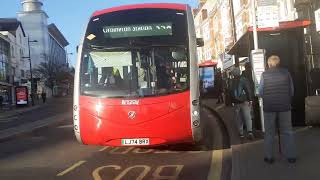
{"points": [[212, 21], [285, 28], [12, 31], [47, 43], [6, 83], [35, 22]]}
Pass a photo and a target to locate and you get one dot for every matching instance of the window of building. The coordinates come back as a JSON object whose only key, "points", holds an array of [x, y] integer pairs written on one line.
{"points": [[199, 52], [236, 7], [20, 39], [4, 59], [208, 54], [204, 14], [12, 51], [22, 73], [206, 32], [13, 71], [21, 54]]}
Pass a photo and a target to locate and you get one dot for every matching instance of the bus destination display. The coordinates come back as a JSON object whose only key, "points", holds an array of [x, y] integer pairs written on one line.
{"points": [[138, 30]]}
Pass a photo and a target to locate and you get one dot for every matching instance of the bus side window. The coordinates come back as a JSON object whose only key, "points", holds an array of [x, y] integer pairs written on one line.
{"points": [[84, 70]]}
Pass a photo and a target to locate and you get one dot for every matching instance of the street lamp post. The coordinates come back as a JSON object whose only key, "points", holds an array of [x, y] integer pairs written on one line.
{"points": [[29, 57]]}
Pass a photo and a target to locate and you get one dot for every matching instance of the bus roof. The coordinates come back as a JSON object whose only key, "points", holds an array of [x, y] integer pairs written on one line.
{"points": [[141, 6]]}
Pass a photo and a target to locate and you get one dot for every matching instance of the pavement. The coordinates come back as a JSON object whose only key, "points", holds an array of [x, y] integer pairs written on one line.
{"points": [[247, 156], [247, 160], [18, 121]]}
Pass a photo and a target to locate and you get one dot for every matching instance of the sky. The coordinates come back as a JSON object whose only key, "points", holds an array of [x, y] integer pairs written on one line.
{"points": [[71, 16]]}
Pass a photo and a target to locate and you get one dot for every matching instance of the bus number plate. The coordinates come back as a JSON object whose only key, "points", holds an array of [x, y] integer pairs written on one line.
{"points": [[130, 142]]}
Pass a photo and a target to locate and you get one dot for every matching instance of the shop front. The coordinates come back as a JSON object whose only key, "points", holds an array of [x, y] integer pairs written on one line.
{"points": [[5, 95]]}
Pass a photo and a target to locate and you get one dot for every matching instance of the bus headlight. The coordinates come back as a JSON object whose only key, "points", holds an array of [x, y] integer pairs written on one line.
{"points": [[195, 113]]}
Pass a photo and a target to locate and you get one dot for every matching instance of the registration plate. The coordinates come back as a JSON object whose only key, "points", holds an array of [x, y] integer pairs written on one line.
{"points": [[139, 142]]}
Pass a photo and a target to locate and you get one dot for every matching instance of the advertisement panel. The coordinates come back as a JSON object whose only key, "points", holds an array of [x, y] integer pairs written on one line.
{"points": [[258, 64], [207, 77], [21, 95], [317, 14], [267, 13]]}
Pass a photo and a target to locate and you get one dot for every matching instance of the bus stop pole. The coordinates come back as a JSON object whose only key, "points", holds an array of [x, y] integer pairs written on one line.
{"points": [[256, 47]]}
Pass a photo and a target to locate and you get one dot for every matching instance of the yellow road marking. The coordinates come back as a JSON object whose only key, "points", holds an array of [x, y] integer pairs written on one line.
{"points": [[219, 107], [104, 148], [71, 168], [216, 165], [301, 129]]}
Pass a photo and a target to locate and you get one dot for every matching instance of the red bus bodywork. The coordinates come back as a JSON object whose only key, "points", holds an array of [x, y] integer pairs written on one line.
{"points": [[161, 119]]}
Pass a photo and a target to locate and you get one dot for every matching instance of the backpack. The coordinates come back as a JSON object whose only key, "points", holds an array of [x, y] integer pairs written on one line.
{"points": [[237, 91]]}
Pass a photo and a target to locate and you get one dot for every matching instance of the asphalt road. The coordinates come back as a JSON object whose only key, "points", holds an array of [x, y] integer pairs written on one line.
{"points": [[54, 153], [51, 109]]}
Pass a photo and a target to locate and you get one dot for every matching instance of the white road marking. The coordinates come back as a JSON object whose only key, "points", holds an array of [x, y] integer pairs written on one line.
{"points": [[66, 126], [216, 165], [5, 120], [71, 168]]}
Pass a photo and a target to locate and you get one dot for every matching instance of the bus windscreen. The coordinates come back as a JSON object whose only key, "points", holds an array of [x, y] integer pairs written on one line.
{"points": [[139, 52]]}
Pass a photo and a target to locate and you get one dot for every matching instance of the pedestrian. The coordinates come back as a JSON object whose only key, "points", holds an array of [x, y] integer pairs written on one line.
{"points": [[241, 96], [1, 102], [219, 86], [247, 73], [315, 80], [276, 89], [43, 96]]}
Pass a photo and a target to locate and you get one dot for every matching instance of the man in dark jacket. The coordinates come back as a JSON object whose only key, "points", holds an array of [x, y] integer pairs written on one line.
{"points": [[276, 89], [241, 97], [219, 86]]}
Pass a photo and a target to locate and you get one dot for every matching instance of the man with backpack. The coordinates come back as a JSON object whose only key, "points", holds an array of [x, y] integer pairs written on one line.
{"points": [[242, 96]]}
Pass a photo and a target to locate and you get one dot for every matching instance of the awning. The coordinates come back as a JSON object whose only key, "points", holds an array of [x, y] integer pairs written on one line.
{"points": [[208, 63], [284, 26], [242, 46]]}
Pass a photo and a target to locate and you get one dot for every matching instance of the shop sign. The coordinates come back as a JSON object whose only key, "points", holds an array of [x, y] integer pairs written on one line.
{"points": [[21, 95], [227, 61], [317, 14]]}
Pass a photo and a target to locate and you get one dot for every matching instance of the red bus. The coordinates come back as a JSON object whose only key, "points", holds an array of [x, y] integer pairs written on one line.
{"points": [[136, 80]]}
